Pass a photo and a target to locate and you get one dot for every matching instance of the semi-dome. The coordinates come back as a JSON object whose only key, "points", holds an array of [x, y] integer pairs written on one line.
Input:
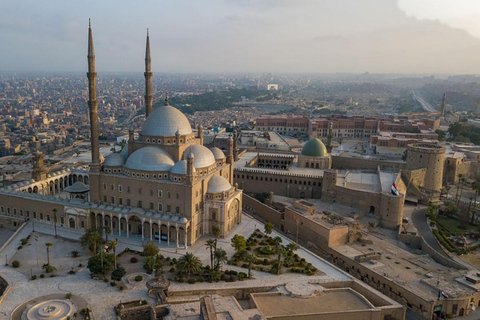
{"points": [[165, 121], [149, 159], [217, 153], [314, 148], [114, 160], [203, 156], [180, 167], [124, 152], [218, 184]]}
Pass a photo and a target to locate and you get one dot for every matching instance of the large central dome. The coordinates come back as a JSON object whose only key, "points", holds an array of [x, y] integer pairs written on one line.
{"points": [[164, 121]]}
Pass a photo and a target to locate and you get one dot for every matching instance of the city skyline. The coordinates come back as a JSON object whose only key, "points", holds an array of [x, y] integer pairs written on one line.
{"points": [[245, 36]]}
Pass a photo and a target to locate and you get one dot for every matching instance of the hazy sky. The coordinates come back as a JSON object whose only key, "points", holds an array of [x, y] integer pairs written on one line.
{"points": [[321, 36]]}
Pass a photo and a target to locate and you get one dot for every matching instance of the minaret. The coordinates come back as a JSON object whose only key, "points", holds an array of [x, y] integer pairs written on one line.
{"points": [[329, 137], [190, 168], [200, 134], [148, 79], [230, 159], [93, 103], [235, 145], [443, 106], [38, 173]]}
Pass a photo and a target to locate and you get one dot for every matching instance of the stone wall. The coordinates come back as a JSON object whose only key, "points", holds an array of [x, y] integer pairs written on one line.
{"points": [[262, 211], [339, 162]]}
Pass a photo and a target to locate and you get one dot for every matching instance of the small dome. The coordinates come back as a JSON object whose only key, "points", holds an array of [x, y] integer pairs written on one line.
{"points": [[166, 121], [114, 160], [218, 184], [77, 187], [217, 153], [203, 156], [180, 167], [314, 148], [149, 159]]}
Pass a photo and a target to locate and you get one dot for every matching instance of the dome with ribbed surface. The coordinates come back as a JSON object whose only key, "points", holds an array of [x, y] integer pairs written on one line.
{"points": [[217, 153], [314, 148], [114, 160], [165, 121], [203, 156], [149, 159], [218, 184]]}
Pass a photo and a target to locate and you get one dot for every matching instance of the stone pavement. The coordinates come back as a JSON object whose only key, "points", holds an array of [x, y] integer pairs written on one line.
{"points": [[102, 297]]}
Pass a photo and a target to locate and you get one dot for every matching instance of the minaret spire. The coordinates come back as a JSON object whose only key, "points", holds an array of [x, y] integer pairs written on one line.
{"points": [[443, 106], [148, 79], [92, 102], [166, 98]]}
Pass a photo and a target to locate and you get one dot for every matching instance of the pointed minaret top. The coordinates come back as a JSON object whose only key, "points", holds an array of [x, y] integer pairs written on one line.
{"points": [[147, 50], [91, 52], [166, 98]]}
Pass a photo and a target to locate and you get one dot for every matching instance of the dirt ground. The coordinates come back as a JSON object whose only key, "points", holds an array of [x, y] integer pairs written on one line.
{"points": [[60, 255], [472, 258]]}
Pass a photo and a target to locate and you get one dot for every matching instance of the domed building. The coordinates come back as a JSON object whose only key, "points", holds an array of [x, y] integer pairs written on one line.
{"points": [[314, 155], [169, 187]]}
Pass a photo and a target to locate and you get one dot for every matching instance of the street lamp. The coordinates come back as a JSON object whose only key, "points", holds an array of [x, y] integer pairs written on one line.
{"points": [[6, 260]]}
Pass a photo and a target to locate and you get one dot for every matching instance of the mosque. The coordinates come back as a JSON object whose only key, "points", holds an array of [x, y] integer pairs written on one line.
{"points": [[164, 185]]}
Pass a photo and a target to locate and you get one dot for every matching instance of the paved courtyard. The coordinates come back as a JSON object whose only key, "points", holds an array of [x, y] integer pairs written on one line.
{"points": [[5, 234], [100, 295]]}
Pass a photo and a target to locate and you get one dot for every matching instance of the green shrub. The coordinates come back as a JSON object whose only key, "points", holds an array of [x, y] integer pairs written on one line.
{"points": [[16, 264], [34, 277], [42, 276], [20, 247], [118, 273], [74, 253], [133, 260], [113, 283], [68, 295], [138, 278], [172, 269], [191, 281], [23, 241]]}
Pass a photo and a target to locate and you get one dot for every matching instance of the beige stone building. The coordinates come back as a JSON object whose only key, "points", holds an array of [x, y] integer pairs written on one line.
{"points": [[163, 186]]}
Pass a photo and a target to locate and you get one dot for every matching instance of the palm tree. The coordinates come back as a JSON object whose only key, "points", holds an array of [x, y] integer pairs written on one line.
{"points": [[280, 250], [210, 244], [48, 244], [250, 259], [291, 247], [113, 244], [189, 264], [220, 258], [461, 180], [476, 187], [107, 231]]}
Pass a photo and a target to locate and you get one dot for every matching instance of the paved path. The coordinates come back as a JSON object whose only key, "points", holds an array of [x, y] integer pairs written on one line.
{"points": [[420, 221]]}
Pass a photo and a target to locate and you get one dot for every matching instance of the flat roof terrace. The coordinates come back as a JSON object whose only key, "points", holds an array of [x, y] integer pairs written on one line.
{"points": [[273, 304]]}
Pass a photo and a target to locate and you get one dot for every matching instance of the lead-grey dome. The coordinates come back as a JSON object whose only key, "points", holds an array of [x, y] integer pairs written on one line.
{"points": [[149, 159], [218, 184], [203, 156], [217, 153], [165, 121], [114, 160], [77, 187], [180, 167]]}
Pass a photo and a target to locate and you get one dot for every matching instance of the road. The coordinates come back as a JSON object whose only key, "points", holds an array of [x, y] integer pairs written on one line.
{"points": [[420, 221], [425, 105]]}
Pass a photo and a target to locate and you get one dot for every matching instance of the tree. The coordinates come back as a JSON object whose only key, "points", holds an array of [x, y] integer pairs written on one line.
{"points": [[431, 211], [210, 244], [189, 264], [152, 263], [250, 259], [118, 273], [239, 243], [48, 244], [268, 228], [280, 250], [107, 230], [291, 247], [220, 258], [92, 239], [150, 249], [100, 263], [476, 187], [451, 209], [113, 244], [216, 233]]}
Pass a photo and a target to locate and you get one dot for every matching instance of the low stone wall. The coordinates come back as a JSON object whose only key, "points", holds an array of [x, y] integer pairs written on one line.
{"points": [[4, 289], [420, 243], [12, 237], [339, 162]]}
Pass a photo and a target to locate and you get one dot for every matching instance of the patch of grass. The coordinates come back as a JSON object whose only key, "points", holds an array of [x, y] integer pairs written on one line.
{"points": [[454, 226]]}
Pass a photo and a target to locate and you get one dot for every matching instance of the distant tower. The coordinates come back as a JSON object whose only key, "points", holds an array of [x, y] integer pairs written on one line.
{"points": [[443, 106], [200, 134], [93, 103], [235, 145], [38, 173], [148, 79], [190, 168], [329, 137], [230, 159]]}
